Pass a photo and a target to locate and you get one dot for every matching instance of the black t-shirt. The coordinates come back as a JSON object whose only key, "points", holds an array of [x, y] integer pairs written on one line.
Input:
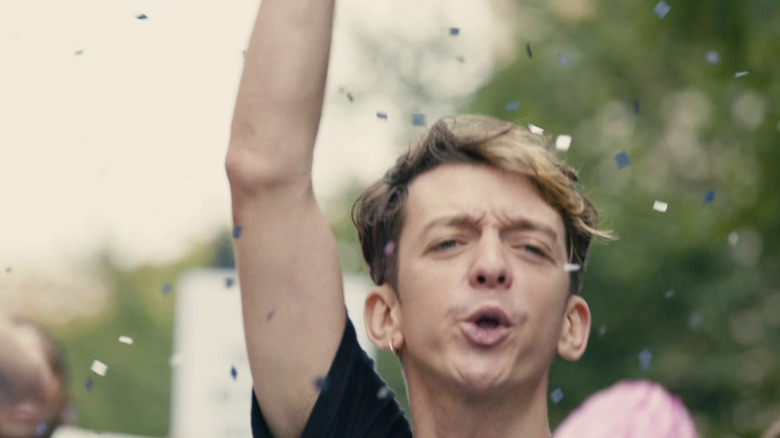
{"points": [[354, 402]]}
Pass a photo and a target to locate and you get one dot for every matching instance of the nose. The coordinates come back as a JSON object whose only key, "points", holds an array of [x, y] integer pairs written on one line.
{"points": [[490, 268]]}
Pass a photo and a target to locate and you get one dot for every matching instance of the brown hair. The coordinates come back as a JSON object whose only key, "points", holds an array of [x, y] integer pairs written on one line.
{"points": [[378, 212]]}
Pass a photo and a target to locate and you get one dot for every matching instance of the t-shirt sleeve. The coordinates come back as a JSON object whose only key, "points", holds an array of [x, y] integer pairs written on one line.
{"points": [[354, 402]]}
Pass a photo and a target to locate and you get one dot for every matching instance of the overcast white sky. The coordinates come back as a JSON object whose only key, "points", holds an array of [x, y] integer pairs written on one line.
{"points": [[113, 129]]}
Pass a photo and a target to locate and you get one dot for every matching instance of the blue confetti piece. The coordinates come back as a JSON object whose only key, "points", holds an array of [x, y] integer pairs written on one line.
{"points": [[418, 119], [237, 231], [528, 50], [645, 360], [512, 106], [637, 106], [623, 160], [141, 17], [556, 396], [712, 57], [321, 384], [563, 59], [661, 9], [40, 430], [709, 197], [89, 385], [454, 31], [229, 281], [381, 115], [233, 372], [166, 289]]}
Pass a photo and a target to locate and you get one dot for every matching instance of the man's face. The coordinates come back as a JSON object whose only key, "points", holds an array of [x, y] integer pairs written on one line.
{"points": [[481, 279]]}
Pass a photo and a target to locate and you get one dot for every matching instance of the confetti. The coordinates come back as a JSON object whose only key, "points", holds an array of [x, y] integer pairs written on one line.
{"points": [[741, 74], [623, 160], [572, 267], [383, 393], [528, 50], [79, 52], [126, 340], [563, 142], [381, 115], [512, 106], [694, 321], [733, 238], [602, 330], [712, 57], [229, 281], [454, 31], [41, 428], [350, 97], [89, 385], [668, 294], [389, 249], [99, 368], [8, 270], [460, 58], [535, 129], [563, 59], [233, 372], [237, 231], [645, 360], [166, 289], [270, 315], [661, 9], [660, 206], [418, 119], [321, 384], [636, 106], [709, 197], [556, 396], [141, 17]]}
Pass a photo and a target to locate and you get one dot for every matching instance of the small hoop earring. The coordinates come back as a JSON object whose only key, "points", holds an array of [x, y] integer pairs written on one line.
{"points": [[395, 351]]}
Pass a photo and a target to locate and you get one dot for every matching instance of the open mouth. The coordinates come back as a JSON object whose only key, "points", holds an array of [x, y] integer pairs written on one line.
{"points": [[488, 322]]}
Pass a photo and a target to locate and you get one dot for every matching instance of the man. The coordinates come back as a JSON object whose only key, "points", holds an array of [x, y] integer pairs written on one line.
{"points": [[476, 241]]}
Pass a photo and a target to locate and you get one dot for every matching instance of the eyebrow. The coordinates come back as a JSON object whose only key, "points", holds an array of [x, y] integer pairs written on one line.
{"points": [[472, 221]]}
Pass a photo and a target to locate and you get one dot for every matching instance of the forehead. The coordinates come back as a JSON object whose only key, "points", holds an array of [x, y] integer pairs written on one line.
{"points": [[479, 191]]}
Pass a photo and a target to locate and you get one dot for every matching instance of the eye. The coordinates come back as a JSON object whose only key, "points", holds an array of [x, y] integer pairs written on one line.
{"points": [[535, 250], [445, 245]]}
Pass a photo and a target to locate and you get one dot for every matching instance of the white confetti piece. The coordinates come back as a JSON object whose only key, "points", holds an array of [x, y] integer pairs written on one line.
{"points": [[535, 129], [563, 142], [713, 57], [572, 267], [660, 206], [126, 340], [99, 368], [740, 74]]}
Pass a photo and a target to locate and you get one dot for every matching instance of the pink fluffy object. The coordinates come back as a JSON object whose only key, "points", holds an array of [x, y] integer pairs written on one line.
{"points": [[629, 409]]}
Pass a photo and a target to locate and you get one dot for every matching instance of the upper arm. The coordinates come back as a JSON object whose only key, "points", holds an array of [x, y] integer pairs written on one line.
{"points": [[293, 305]]}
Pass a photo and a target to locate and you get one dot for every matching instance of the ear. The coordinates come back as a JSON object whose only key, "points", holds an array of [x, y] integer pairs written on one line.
{"points": [[383, 318], [576, 329]]}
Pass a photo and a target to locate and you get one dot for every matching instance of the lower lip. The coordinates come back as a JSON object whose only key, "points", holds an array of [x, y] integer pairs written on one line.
{"points": [[484, 336]]}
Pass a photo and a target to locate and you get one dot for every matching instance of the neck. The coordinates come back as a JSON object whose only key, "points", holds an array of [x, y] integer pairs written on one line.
{"points": [[439, 412]]}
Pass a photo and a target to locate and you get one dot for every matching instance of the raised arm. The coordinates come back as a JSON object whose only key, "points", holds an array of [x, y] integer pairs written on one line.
{"points": [[293, 304]]}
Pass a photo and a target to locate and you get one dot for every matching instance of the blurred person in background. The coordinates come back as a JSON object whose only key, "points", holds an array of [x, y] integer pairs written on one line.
{"points": [[630, 408], [773, 431], [33, 393]]}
